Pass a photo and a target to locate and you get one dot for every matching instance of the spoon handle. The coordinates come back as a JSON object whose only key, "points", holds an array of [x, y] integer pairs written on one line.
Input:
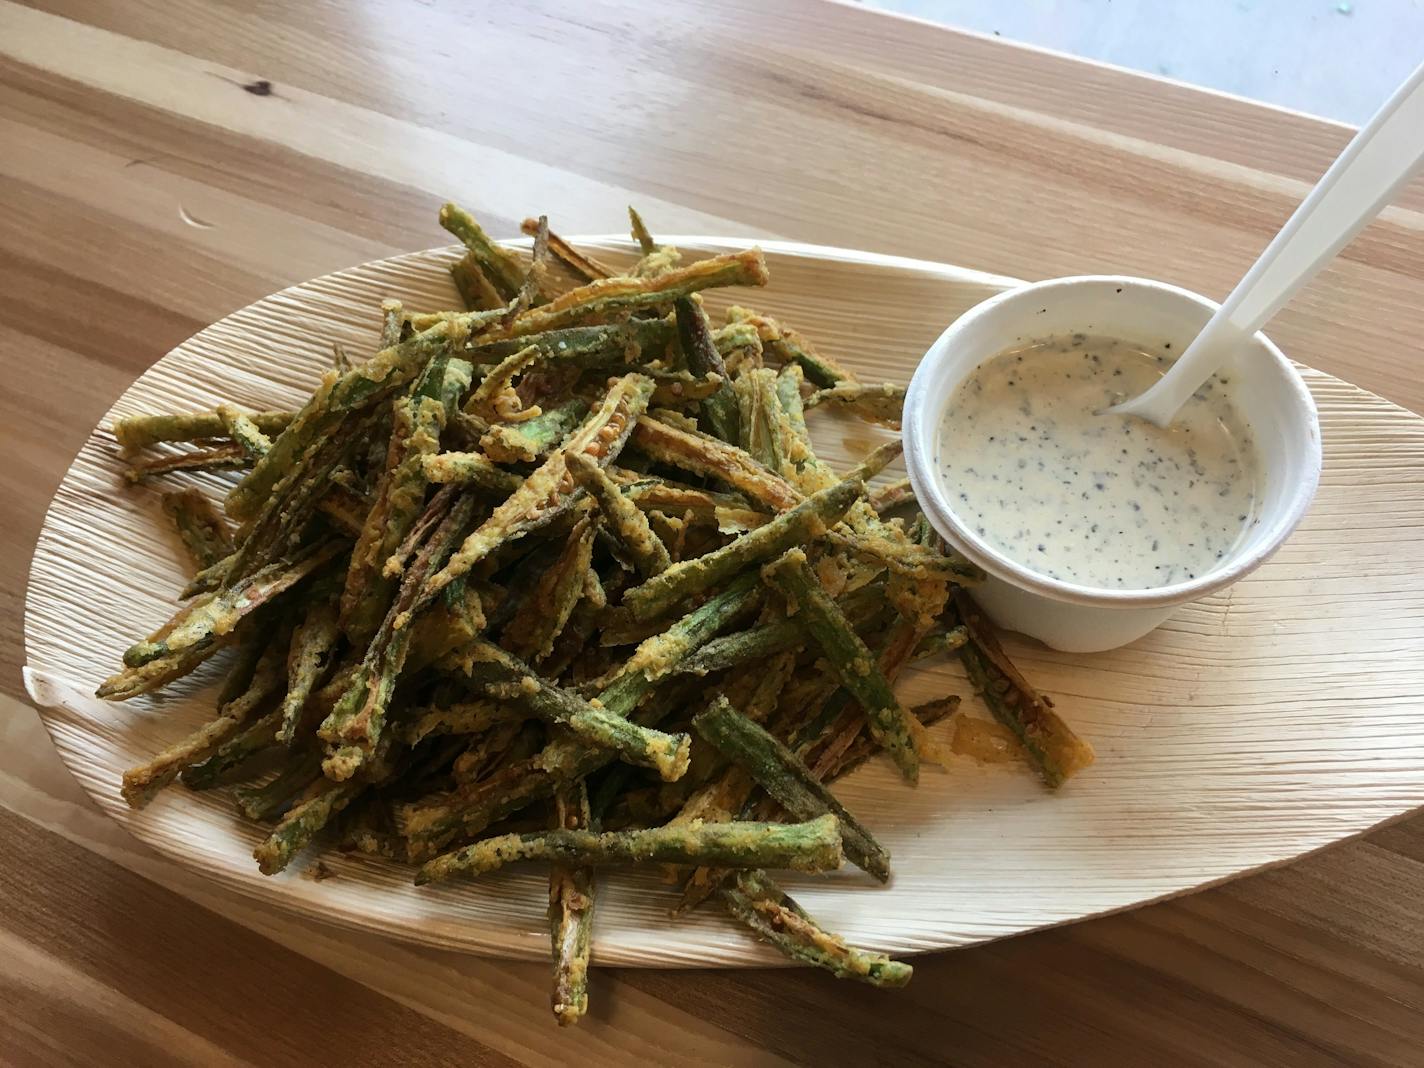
{"points": [[1362, 180]]}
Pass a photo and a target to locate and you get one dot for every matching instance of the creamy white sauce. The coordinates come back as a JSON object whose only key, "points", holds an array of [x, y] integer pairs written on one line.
{"points": [[1105, 501]]}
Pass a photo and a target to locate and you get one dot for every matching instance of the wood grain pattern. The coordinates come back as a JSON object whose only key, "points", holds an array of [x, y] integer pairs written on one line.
{"points": [[802, 119]]}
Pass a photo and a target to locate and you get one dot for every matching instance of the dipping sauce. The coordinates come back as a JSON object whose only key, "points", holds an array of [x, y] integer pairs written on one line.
{"points": [[1105, 501]]}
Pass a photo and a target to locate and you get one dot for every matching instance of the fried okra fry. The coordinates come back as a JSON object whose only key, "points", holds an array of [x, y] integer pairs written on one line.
{"points": [[432, 823], [774, 917], [542, 615], [781, 773], [533, 439], [571, 897], [313, 646], [848, 657], [142, 783], [786, 346], [334, 401], [583, 265], [217, 458], [469, 468], [807, 521], [700, 351], [203, 532], [506, 678], [811, 846], [548, 489], [607, 296], [135, 432], [622, 517], [710, 457], [881, 402], [244, 432], [497, 263], [417, 424], [1050, 745]]}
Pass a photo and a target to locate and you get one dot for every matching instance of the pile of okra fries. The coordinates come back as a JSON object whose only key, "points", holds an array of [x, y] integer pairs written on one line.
{"points": [[559, 577]]}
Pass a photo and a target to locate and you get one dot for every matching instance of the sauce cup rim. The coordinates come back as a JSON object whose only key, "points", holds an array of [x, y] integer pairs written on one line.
{"points": [[921, 423]]}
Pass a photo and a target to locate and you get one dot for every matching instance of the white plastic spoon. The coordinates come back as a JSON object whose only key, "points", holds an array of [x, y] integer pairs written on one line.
{"points": [[1381, 158]]}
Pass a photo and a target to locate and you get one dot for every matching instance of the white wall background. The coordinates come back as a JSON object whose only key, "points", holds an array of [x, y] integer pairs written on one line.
{"points": [[1328, 57]]}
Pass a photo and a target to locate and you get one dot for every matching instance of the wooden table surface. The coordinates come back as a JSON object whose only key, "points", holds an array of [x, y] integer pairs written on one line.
{"points": [[164, 164]]}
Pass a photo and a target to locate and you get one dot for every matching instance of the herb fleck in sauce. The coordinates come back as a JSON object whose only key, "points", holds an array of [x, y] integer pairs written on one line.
{"points": [[1105, 501]]}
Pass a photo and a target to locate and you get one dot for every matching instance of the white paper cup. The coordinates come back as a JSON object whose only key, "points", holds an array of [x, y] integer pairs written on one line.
{"points": [[1264, 387]]}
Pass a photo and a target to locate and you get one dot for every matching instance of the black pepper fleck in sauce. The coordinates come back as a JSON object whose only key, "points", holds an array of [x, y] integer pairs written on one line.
{"points": [[1134, 506]]}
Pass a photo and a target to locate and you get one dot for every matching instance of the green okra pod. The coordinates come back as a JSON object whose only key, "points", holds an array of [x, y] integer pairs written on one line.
{"points": [[768, 639], [848, 656], [787, 346], [700, 351], [460, 717], [762, 433], [1050, 745], [134, 432], [506, 678], [244, 432], [469, 468], [806, 522], [609, 295], [216, 458], [313, 645], [357, 722], [548, 490], [811, 846], [217, 614], [710, 457], [764, 907], [270, 799], [142, 783], [877, 460], [601, 345], [783, 775], [879, 402], [476, 290], [259, 736], [498, 264], [571, 898], [622, 516], [202, 530], [415, 435], [802, 467], [430, 825], [583, 265], [533, 439], [321, 802], [334, 401], [542, 615]]}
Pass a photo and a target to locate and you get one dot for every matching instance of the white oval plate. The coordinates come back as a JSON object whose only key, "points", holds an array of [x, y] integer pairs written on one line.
{"points": [[1254, 727]]}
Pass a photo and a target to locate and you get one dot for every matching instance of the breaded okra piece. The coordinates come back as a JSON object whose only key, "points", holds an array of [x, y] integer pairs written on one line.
{"points": [[571, 897], [806, 522], [506, 678], [811, 846], [783, 775], [700, 351], [848, 656], [202, 530], [753, 898], [623, 518]]}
